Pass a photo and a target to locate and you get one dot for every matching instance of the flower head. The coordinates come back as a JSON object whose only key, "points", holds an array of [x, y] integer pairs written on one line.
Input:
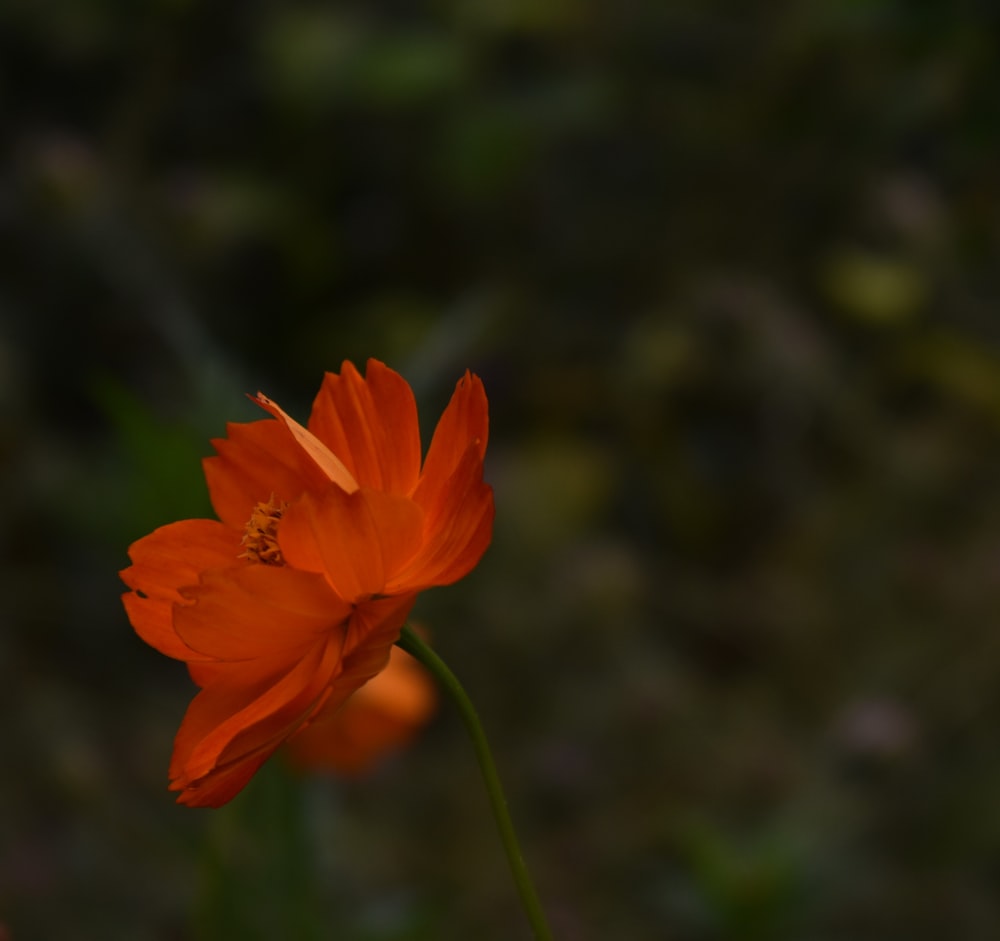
{"points": [[293, 598]]}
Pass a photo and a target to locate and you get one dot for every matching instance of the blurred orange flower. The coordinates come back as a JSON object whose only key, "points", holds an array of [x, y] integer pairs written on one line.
{"points": [[293, 598], [382, 716]]}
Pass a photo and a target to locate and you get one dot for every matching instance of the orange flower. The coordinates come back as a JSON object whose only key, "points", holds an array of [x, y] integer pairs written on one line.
{"points": [[382, 716], [293, 598]]}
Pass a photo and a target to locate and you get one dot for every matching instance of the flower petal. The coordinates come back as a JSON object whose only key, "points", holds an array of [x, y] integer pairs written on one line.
{"points": [[456, 533], [356, 540], [258, 611], [256, 461], [463, 423], [222, 784], [231, 728], [318, 453], [373, 629], [168, 559], [371, 424], [381, 716]]}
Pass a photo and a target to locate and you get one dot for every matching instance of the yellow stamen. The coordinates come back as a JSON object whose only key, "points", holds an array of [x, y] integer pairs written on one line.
{"points": [[260, 541]]}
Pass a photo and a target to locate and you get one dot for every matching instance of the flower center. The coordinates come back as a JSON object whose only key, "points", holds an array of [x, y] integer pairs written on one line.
{"points": [[260, 541]]}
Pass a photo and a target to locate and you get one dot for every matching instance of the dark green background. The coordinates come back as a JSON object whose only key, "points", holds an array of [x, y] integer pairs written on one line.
{"points": [[730, 274]]}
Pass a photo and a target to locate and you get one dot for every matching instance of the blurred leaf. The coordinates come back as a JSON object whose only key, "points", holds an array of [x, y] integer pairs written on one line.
{"points": [[550, 491], [874, 289], [305, 53], [749, 888], [520, 15], [312, 58], [959, 368], [407, 69], [163, 479], [218, 210], [259, 866], [484, 150]]}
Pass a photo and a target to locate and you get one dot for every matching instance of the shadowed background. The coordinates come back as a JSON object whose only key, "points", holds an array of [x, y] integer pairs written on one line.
{"points": [[731, 280]]}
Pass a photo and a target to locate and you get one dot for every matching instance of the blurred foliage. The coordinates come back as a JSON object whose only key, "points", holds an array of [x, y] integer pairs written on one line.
{"points": [[729, 272]]}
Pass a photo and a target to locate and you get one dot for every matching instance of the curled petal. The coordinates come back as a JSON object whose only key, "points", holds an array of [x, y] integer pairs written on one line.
{"points": [[371, 423], [311, 446]]}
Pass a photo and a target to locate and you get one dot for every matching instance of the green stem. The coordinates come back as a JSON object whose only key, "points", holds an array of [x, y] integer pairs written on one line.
{"points": [[412, 644]]}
